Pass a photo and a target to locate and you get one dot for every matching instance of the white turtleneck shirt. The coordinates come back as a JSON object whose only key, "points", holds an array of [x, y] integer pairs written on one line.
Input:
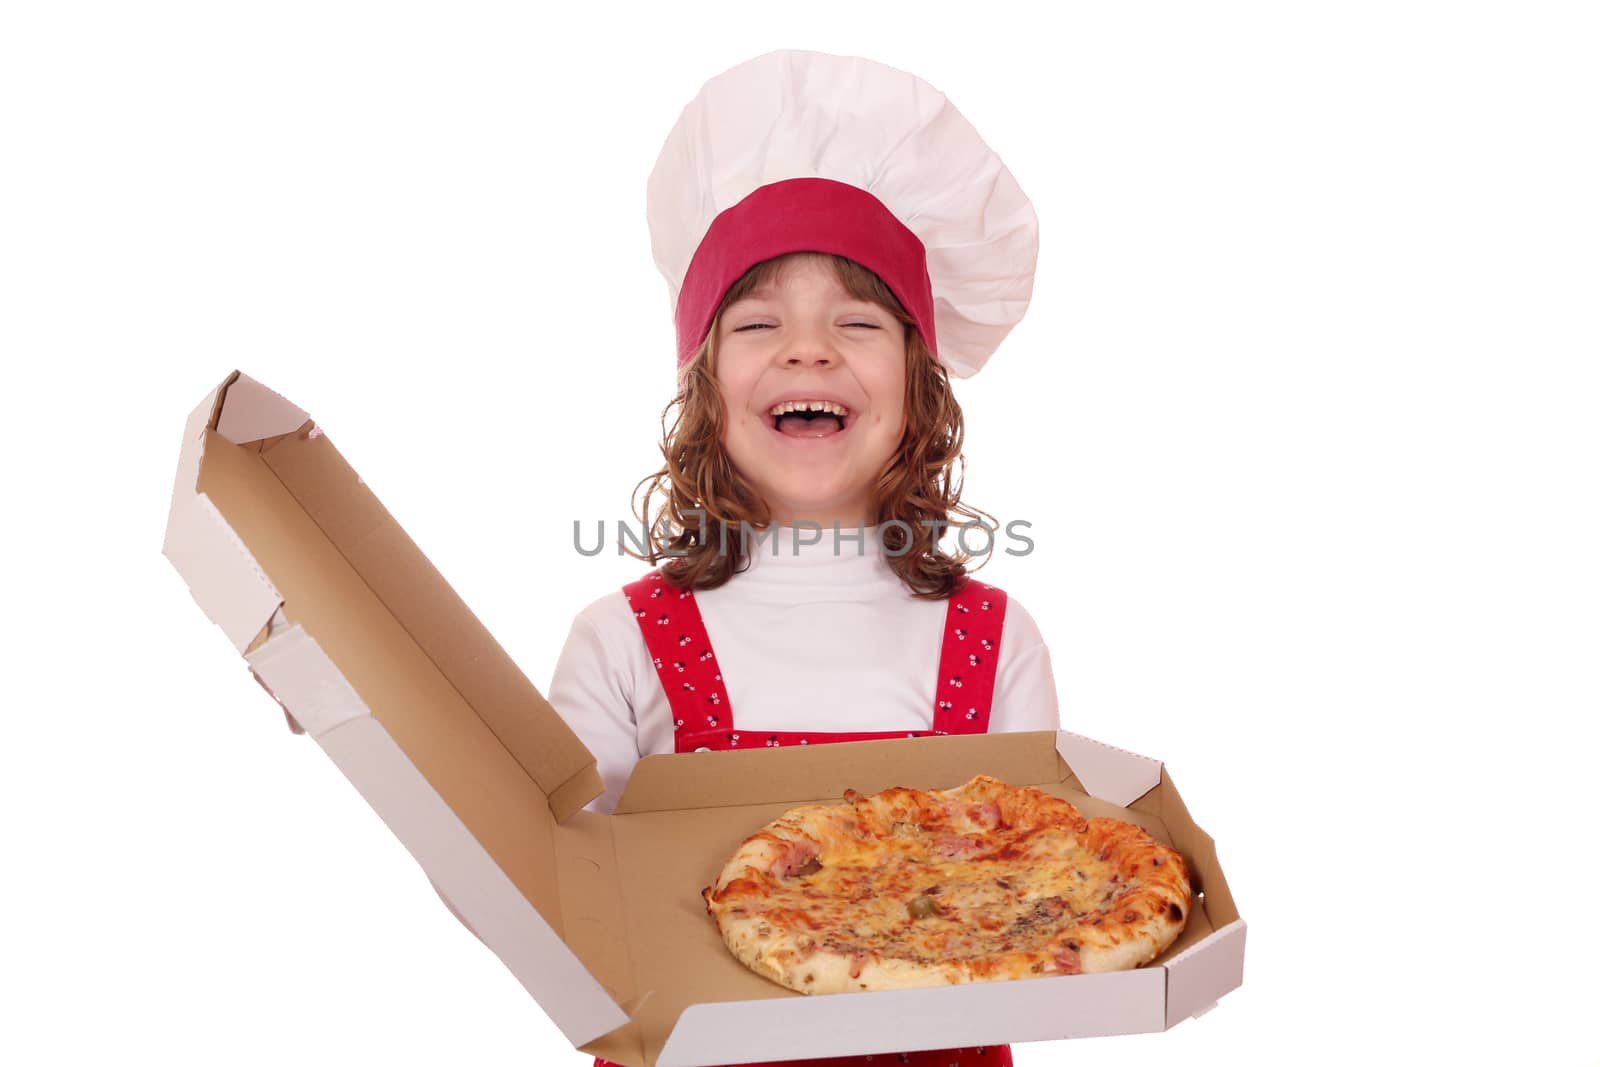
{"points": [[809, 639]]}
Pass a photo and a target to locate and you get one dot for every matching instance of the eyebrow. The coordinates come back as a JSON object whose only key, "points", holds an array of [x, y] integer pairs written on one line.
{"points": [[765, 293]]}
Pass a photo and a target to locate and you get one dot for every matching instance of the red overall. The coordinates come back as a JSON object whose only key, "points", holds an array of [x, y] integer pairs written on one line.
{"points": [[676, 636]]}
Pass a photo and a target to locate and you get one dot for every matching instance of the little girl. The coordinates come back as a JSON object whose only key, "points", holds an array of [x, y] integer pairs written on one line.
{"points": [[837, 241]]}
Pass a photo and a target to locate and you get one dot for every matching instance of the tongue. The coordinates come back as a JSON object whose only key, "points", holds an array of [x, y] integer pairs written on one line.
{"points": [[816, 426]]}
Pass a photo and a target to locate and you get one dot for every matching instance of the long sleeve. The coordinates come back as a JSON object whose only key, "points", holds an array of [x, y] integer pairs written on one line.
{"points": [[1024, 686], [590, 690]]}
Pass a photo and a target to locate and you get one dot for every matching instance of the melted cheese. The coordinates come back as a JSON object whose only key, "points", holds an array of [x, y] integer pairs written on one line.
{"points": [[1003, 893], [983, 882]]}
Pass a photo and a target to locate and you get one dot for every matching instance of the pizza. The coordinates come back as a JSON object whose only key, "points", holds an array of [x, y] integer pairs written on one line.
{"points": [[910, 888]]}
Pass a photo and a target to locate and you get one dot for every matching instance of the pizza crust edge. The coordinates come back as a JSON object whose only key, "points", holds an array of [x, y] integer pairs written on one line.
{"points": [[1145, 923]]}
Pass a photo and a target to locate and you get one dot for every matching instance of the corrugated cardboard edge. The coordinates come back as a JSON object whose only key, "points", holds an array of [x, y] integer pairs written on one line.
{"points": [[301, 676], [253, 412], [1106, 772], [1199, 975], [1040, 1009], [223, 577]]}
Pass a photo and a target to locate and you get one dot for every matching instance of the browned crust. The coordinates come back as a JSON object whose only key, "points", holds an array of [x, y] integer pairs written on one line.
{"points": [[1002, 846]]}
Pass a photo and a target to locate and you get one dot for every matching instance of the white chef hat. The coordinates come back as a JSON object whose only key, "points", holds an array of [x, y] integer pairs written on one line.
{"points": [[803, 151]]}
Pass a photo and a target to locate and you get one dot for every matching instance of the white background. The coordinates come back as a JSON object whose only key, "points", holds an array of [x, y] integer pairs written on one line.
{"points": [[1302, 414]]}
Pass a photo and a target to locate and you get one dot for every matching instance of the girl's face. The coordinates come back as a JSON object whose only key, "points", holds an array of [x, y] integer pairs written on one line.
{"points": [[805, 338]]}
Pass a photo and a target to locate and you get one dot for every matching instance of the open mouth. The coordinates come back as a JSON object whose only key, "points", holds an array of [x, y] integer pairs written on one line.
{"points": [[813, 419]]}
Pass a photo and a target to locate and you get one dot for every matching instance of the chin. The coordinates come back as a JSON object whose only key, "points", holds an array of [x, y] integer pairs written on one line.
{"points": [[832, 515]]}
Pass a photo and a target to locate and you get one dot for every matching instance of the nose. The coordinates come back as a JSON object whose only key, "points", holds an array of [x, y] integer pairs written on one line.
{"points": [[808, 347]]}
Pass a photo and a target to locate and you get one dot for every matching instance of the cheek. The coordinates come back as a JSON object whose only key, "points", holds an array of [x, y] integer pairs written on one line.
{"points": [[738, 414], [888, 390], [890, 419]]}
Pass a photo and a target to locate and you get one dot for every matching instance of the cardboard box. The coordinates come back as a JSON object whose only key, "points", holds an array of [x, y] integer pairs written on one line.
{"points": [[355, 634]]}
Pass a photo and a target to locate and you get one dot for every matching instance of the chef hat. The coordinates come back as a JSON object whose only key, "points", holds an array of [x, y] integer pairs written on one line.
{"points": [[802, 151]]}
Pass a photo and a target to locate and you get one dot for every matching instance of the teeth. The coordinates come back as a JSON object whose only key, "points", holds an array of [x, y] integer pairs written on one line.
{"points": [[808, 405]]}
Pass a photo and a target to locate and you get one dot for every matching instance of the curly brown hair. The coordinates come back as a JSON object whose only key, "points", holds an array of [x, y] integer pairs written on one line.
{"points": [[918, 486]]}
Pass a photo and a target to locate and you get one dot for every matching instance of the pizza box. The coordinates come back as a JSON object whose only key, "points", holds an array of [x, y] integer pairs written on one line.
{"points": [[344, 621]]}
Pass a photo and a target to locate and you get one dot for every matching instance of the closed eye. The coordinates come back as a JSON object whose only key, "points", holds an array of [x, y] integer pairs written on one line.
{"points": [[768, 326]]}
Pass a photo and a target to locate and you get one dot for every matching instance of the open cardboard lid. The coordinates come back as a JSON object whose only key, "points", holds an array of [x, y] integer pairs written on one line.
{"points": [[353, 631], [350, 627]]}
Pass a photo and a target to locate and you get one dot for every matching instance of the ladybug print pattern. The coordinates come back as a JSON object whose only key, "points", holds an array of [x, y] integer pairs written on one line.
{"points": [[701, 715]]}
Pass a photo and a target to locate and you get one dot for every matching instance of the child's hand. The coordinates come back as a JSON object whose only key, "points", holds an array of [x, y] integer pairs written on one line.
{"points": [[453, 910], [294, 727]]}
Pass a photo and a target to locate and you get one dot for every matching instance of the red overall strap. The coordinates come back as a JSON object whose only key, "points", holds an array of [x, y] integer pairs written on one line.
{"points": [[675, 634], [680, 649], [968, 658]]}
